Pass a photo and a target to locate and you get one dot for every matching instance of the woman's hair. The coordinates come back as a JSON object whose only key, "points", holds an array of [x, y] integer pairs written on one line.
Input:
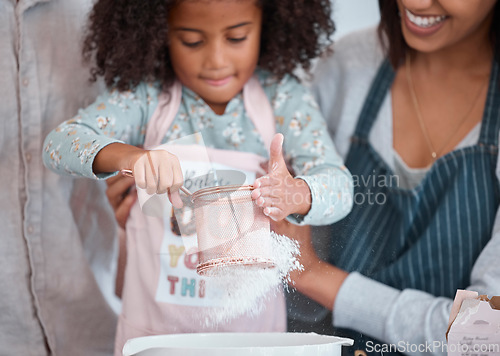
{"points": [[128, 38], [391, 35]]}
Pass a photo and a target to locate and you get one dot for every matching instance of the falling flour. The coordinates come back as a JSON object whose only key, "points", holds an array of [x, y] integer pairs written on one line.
{"points": [[244, 289]]}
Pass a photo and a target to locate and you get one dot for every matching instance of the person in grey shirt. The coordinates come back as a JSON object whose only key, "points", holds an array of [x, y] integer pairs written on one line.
{"points": [[50, 303]]}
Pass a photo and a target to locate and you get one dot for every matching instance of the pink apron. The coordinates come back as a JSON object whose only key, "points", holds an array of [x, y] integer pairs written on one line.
{"points": [[162, 293]]}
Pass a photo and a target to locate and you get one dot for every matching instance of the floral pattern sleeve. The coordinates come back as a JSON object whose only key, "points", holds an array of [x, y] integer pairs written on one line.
{"points": [[114, 117], [312, 154]]}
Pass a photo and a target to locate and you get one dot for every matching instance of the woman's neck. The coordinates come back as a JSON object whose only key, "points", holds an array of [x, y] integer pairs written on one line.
{"points": [[439, 97], [475, 62]]}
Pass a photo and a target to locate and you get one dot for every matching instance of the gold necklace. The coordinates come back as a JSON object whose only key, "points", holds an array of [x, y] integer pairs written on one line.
{"points": [[434, 153]]}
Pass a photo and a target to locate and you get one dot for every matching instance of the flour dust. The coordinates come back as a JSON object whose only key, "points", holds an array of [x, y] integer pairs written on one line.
{"points": [[245, 289]]}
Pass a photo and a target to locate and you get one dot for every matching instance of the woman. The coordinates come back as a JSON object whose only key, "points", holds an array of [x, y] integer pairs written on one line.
{"points": [[415, 112]]}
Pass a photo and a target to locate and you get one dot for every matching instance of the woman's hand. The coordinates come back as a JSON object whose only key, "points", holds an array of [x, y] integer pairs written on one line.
{"points": [[278, 192], [319, 280], [121, 195], [307, 258]]}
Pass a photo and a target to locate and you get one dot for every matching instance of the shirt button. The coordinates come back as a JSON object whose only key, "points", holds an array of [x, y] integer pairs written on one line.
{"points": [[30, 229], [28, 157], [26, 82]]}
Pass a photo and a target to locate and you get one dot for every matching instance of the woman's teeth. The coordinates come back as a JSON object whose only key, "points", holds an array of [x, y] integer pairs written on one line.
{"points": [[426, 21]]}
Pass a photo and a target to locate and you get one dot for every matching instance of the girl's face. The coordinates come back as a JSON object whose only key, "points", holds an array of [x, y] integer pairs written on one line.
{"points": [[432, 25], [214, 47]]}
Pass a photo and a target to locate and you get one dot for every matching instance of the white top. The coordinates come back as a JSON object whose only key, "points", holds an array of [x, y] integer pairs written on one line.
{"points": [[341, 84]]}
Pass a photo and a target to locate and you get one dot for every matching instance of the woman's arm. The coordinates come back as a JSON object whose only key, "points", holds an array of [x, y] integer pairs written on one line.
{"points": [[407, 317]]}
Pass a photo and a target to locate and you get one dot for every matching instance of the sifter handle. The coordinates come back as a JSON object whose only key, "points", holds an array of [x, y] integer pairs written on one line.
{"points": [[129, 173]]}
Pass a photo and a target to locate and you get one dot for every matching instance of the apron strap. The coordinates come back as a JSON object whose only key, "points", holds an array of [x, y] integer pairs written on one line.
{"points": [[490, 126], [255, 100], [259, 110], [376, 95], [168, 106]]}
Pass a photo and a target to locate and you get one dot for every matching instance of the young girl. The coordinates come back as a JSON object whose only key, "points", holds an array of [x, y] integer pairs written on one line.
{"points": [[222, 69]]}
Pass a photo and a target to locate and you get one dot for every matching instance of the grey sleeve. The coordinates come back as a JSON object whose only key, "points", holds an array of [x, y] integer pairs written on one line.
{"points": [[408, 320]]}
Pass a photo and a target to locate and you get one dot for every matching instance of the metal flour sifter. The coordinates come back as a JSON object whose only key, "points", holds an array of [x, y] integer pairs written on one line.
{"points": [[231, 229]]}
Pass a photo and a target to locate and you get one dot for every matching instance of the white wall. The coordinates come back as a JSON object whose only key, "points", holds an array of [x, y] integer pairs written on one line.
{"points": [[350, 15]]}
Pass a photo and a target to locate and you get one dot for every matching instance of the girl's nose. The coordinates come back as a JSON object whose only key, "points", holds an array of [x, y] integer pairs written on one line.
{"points": [[215, 56]]}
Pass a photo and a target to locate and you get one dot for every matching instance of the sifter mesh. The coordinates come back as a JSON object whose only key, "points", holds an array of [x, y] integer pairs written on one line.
{"points": [[231, 229]]}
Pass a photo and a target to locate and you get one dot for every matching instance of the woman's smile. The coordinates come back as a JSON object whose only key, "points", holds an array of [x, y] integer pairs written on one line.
{"points": [[423, 25]]}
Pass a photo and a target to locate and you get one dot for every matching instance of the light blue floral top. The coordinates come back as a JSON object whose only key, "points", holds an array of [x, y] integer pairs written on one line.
{"points": [[123, 116]]}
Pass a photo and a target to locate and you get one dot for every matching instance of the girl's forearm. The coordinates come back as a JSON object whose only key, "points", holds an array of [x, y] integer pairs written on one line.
{"points": [[115, 157]]}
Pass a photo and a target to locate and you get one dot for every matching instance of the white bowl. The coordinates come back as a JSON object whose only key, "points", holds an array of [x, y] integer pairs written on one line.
{"points": [[239, 344]]}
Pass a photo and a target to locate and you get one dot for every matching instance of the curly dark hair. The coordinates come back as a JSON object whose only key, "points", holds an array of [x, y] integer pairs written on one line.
{"points": [[391, 35], [127, 38]]}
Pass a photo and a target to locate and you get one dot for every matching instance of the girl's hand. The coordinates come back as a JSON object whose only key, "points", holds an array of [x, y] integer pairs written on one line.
{"points": [[278, 192], [159, 172], [155, 171]]}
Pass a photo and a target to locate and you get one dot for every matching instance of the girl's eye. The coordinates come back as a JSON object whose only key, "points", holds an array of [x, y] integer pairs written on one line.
{"points": [[191, 44], [237, 40]]}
